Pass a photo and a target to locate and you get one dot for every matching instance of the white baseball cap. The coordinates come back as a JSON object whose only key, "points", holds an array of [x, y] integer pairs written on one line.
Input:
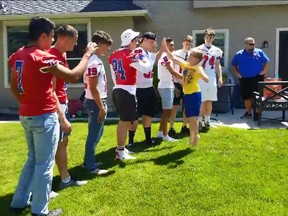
{"points": [[127, 36]]}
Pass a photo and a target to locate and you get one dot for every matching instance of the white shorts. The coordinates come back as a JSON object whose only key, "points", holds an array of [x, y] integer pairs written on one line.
{"points": [[209, 90]]}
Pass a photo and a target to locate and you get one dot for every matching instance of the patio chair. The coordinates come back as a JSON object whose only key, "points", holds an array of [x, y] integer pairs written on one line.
{"points": [[271, 96]]}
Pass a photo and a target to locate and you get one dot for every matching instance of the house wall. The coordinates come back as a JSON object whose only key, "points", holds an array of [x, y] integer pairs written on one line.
{"points": [[178, 18], [113, 26], [211, 4]]}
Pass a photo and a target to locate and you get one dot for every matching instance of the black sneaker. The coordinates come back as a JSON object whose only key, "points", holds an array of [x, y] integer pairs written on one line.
{"points": [[185, 130], [71, 183], [200, 126], [172, 132], [130, 145], [151, 143], [256, 117], [246, 115], [18, 211], [55, 212], [207, 124]]}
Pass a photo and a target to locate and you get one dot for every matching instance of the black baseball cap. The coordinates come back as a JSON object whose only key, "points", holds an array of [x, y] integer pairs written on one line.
{"points": [[149, 35]]}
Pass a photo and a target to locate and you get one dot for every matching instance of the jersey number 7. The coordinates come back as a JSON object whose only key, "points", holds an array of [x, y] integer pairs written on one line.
{"points": [[19, 68]]}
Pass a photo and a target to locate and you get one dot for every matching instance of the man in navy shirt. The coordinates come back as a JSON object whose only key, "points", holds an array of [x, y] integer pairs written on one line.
{"points": [[250, 66]]}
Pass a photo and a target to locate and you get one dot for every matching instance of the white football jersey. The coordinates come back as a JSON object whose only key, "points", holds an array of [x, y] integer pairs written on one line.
{"points": [[210, 56], [181, 55], [164, 76], [95, 69], [145, 80]]}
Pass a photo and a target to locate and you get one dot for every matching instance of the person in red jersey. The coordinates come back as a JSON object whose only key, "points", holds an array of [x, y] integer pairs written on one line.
{"points": [[124, 66], [31, 83], [67, 37]]}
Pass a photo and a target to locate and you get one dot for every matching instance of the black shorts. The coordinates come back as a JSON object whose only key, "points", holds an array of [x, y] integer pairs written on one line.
{"points": [[125, 104], [249, 85], [146, 98], [178, 94]]}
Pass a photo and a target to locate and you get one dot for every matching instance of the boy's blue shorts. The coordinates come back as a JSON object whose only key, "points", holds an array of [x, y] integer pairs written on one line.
{"points": [[192, 104]]}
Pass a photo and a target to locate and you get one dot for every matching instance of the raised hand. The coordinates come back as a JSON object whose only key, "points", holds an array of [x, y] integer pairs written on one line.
{"points": [[91, 48]]}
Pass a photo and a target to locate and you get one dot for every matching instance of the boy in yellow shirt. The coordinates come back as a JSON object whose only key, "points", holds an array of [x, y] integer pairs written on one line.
{"points": [[192, 72]]}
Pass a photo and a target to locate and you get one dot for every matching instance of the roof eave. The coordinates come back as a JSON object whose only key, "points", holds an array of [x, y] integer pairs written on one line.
{"points": [[127, 13]]}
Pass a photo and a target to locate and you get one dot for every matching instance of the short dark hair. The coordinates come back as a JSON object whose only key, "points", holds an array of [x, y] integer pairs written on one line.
{"points": [[148, 35], [209, 32], [66, 30], [101, 37], [39, 25], [169, 40], [188, 38]]}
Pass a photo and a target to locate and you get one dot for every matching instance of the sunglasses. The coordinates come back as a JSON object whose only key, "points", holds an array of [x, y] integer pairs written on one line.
{"points": [[251, 44]]}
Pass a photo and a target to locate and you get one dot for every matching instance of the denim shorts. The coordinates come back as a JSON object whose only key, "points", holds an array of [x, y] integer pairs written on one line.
{"points": [[167, 96], [64, 108]]}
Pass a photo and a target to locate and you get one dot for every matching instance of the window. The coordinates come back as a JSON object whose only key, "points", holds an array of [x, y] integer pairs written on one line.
{"points": [[221, 40], [16, 36]]}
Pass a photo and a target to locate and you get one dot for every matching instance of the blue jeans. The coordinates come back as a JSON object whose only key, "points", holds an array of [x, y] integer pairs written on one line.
{"points": [[42, 135], [95, 131]]}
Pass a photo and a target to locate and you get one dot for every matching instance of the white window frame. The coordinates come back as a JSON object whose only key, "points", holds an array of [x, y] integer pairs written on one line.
{"points": [[278, 30], [226, 45], [25, 23]]}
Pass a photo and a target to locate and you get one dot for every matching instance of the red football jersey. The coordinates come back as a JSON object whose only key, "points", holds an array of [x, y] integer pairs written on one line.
{"points": [[120, 61], [35, 88], [61, 85]]}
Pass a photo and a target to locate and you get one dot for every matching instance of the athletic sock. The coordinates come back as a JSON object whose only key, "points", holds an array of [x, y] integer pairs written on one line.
{"points": [[148, 135], [66, 180], [131, 137]]}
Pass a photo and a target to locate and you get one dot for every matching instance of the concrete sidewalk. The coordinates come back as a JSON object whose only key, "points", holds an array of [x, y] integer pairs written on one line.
{"points": [[229, 120], [222, 119]]}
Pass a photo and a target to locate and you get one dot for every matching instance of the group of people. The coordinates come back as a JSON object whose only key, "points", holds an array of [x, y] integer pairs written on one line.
{"points": [[39, 76]]}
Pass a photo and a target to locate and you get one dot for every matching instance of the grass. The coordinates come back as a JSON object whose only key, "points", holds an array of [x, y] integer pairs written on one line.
{"points": [[231, 172]]}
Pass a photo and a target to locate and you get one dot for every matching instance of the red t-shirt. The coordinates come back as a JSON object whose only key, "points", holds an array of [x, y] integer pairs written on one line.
{"points": [[124, 73], [61, 85], [35, 88]]}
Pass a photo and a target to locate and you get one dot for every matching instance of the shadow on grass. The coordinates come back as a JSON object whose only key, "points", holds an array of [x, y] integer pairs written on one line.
{"points": [[5, 202], [171, 160]]}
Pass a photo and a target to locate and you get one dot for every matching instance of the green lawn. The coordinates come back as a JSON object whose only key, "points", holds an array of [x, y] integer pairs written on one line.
{"points": [[231, 172]]}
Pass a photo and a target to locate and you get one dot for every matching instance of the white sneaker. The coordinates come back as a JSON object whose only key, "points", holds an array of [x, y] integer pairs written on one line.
{"points": [[169, 139], [98, 171], [53, 194], [159, 134], [123, 155], [127, 151]]}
